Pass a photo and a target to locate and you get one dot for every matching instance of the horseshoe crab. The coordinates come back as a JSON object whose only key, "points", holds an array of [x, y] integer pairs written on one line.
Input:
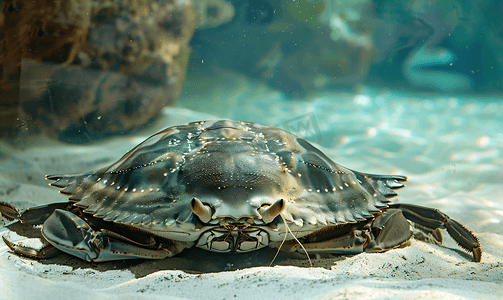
{"points": [[227, 186]]}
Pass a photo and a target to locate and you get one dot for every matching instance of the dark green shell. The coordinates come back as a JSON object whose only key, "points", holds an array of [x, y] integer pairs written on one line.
{"points": [[233, 166]]}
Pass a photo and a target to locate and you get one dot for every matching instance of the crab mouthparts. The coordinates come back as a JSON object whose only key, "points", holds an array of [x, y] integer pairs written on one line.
{"points": [[233, 237]]}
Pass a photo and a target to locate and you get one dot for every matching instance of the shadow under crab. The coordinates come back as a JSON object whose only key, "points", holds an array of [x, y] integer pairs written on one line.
{"points": [[227, 186], [191, 261]]}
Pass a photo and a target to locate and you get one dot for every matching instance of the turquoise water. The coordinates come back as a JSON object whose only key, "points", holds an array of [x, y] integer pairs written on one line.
{"points": [[384, 87], [450, 147]]}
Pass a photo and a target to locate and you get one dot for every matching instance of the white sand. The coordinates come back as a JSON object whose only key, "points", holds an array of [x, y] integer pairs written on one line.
{"points": [[451, 150]]}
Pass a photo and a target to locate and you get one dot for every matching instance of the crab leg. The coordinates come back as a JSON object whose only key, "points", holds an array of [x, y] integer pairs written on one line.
{"points": [[33, 216], [433, 219], [351, 243], [46, 251], [389, 230], [71, 234], [64, 231], [9, 211]]}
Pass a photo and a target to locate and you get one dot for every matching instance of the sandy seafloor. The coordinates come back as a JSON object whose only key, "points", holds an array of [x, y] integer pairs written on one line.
{"points": [[450, 147]]}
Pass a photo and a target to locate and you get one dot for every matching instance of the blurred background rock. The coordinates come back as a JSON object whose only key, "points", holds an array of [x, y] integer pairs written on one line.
{"points": [[84, 70], [312, 45]]}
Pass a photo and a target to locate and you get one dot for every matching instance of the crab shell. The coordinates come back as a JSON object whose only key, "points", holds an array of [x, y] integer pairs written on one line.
{"points": [[234, 170]]}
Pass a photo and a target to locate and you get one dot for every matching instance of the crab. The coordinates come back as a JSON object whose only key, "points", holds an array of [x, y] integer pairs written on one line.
{"points": [[227, 186]]}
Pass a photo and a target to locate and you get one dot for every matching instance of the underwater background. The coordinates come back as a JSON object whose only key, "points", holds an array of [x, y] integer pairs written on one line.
{"points": [[408, 87]]}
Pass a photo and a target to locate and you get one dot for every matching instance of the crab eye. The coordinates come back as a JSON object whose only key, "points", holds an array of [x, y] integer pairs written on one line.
{"points": [[269, 212], [203, 211]]}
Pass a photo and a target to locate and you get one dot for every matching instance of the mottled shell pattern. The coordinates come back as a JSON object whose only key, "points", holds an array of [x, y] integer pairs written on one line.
{"points": [[235, 167]]}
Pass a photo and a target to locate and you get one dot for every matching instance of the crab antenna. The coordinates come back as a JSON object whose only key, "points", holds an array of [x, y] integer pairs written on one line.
{"points": [[203, 211], [287, 230], [268, 213]]}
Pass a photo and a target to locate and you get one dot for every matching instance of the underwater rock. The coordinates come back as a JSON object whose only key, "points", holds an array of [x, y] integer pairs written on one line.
{"points": [[489, 30], [443, 17], [325, 63], [419, 69], [130, 64], [340, 51], [410, 34], [289, 45], [52, 35]]}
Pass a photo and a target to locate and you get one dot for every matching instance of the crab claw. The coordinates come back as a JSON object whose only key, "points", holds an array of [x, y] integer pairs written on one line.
{"points": [[203, 211], [9, 211], [269, 212]]}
